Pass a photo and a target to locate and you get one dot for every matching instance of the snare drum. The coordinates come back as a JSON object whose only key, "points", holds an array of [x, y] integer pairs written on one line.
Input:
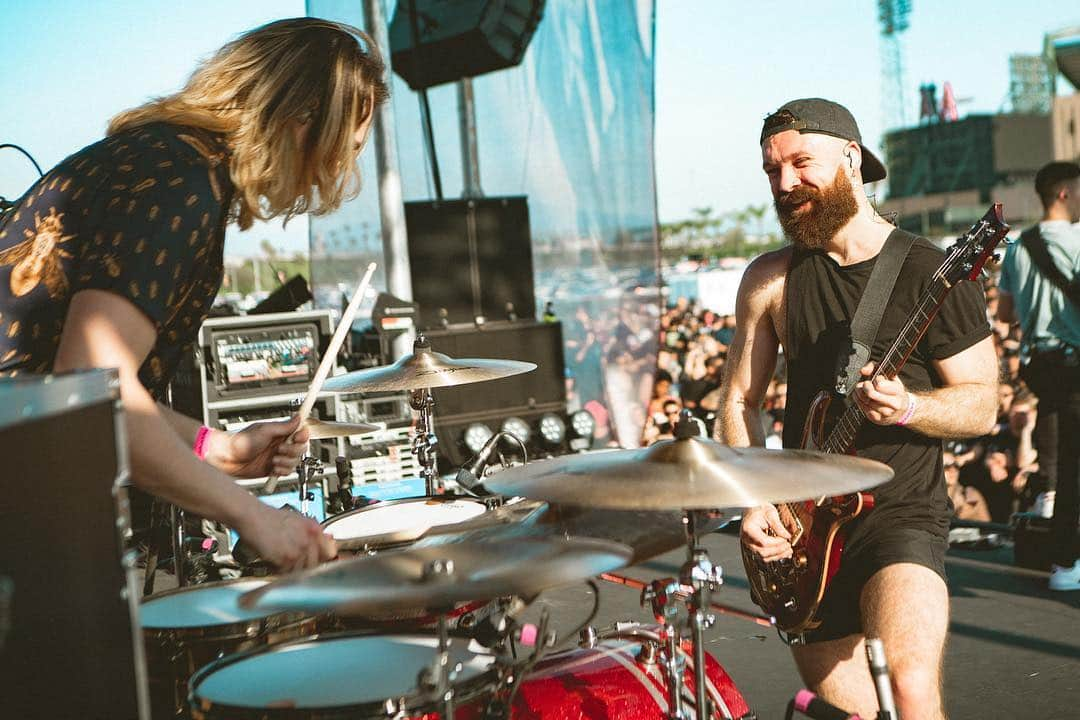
{"points": [[395, 523], [339, 676], [187, 628]]}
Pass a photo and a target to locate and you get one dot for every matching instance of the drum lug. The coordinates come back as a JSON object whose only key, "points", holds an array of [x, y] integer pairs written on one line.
{"points": [[648, 653], [588, 637], [394, 708]]}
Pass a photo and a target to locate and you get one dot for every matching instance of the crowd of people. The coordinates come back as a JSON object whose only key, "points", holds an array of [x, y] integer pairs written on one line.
{"points": [[989, 478]]}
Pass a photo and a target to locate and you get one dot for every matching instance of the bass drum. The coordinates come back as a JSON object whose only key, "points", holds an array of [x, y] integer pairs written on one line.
{"points": [[619, 678], [396, 523], [186, 628], [339, 677]]}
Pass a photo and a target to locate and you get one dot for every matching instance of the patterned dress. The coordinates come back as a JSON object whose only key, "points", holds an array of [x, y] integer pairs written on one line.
{"points": [[141, 214]]}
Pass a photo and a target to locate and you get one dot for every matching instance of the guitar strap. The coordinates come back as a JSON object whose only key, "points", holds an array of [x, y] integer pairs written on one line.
{"points": [[1035, 244], [867, 319]]}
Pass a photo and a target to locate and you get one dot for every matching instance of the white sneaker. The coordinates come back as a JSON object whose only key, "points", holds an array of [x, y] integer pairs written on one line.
{"points": [[1065, 578]]}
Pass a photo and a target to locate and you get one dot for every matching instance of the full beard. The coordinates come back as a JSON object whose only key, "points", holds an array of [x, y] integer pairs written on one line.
{"points": [[829, 209]]}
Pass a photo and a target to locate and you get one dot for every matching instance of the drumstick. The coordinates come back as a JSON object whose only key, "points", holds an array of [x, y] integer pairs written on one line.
{"points": [[328, 359]]}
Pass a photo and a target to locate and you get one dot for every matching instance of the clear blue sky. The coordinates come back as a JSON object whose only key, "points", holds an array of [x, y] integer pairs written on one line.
{"points": [[721, 66]]}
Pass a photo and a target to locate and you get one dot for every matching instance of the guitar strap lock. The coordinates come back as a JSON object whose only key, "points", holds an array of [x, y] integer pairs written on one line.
{"points": [[867, 318]]}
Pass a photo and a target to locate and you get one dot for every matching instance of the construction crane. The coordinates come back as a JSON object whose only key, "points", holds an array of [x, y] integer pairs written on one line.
{"points": [[893, 21]]}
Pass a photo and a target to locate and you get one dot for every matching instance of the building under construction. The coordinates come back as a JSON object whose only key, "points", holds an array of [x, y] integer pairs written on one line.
{"points": [[942, 174]]}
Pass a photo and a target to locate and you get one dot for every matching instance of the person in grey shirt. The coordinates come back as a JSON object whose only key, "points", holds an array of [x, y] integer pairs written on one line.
{"points": [[1042, 295]]}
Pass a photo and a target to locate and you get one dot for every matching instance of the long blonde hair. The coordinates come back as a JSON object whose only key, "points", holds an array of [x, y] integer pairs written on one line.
{"points": [[258, 89]]}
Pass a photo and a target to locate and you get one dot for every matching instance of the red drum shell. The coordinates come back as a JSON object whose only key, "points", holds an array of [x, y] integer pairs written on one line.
{"points": [[608, 681]]}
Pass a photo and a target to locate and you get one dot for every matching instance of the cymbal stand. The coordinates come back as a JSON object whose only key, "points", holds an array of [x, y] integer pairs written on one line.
{"points": [[424, 441], [439, 678], [308, 468], [703, 577]]}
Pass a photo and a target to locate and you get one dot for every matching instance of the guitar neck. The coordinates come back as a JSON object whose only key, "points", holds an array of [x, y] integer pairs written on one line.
{"points": [[842, 437]]}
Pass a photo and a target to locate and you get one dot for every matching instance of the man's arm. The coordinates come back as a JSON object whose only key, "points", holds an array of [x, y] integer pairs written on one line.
{"points": [[965, 406], [103, 329], [751, 358], [750, 364], [1006, 310]]}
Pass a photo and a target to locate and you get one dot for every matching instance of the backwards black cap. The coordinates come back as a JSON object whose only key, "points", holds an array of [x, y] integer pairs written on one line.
{"points": [[817, 115]]}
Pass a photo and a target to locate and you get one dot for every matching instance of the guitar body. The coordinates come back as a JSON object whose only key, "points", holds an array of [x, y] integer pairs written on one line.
{"points": [[791, 590]]}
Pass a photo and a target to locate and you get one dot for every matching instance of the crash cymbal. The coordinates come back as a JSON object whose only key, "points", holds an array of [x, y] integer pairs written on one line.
{"points": [[323, 429], [407, 579], [425, 368], [689, 474]]}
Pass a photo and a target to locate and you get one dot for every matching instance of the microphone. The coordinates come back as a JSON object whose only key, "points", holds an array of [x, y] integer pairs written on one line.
{"points": [[879, 669], [470, 473]]}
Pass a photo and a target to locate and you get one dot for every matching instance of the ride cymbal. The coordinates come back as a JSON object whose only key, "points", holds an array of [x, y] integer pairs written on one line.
{"points": [[425, 368], [412, 578], [689, 474]]}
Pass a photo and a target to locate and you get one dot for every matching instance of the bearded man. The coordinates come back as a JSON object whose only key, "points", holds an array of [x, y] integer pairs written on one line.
{"points": [[891, 583]]}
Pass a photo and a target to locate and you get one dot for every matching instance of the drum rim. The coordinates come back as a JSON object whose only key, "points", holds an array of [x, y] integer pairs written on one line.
{"points": [[236, 630], [464, 691]]}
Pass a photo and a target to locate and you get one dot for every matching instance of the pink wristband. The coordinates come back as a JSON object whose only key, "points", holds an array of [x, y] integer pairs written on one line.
{"points": [[909, 413], [200, 442]]}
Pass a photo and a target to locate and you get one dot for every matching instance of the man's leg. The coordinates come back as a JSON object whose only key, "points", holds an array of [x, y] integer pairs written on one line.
{"points": [[1067, 500], [907, 607], [837, 671]]}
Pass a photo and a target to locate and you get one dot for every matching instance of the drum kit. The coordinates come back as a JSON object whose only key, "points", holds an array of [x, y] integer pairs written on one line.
{"points": [[308, 645]]}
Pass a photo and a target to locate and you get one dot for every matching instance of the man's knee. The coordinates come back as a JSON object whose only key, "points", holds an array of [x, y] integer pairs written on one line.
{"points": [[917, 691]]}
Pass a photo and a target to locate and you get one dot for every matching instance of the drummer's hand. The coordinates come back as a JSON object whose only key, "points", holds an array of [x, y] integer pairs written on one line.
{"points": [[287, 539], [260, 449], [762, 532], [882, 400]]}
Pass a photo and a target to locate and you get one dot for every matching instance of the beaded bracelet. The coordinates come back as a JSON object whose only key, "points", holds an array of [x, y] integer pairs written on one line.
{"points": [[200, 442]]}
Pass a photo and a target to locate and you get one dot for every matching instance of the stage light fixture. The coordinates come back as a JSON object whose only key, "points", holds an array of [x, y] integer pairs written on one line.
{"points": [[583, 423], [518, 428], [582, 426], [552, 429], [475, 436]]}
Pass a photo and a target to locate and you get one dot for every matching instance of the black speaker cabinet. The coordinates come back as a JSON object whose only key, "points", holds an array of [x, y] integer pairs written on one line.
{"points": [[527, 396], [471, 258], [68, 643], [455, 39]]}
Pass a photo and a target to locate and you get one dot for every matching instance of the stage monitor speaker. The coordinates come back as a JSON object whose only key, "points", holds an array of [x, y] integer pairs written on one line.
{"points": [[459, 39], [471, 257], [536, 342]]}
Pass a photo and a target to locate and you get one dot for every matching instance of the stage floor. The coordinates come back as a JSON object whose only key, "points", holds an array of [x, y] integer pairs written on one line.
{"points": [[1013, 649]]}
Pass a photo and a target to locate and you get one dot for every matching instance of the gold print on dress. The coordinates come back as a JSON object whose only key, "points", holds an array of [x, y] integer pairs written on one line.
{"points": [[153, 212], [175, 224], [14, 329], [111, 266], [144, 185], [160, 259], [37, 258], [191, 200]]}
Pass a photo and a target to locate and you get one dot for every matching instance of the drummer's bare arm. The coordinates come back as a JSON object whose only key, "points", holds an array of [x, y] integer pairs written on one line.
{"points": [[105, 330], [261, 448], [965, 405], [750, 364], [751, 359]]}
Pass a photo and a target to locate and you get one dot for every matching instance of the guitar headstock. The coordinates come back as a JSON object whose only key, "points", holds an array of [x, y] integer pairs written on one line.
{"points": [[968, 255]]}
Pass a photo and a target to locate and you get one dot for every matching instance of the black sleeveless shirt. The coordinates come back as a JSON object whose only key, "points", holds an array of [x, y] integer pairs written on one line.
{"points": [[821, 298]]}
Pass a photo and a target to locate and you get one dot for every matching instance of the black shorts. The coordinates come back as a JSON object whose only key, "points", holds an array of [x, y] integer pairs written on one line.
{"points": [[867, 553]]}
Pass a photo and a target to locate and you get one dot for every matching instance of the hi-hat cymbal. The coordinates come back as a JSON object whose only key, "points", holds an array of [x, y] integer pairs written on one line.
{"points": [[425, 369], [323, 429], [689, 474], [407, 579]]}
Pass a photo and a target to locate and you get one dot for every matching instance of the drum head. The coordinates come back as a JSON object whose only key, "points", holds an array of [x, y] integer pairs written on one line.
{"points": [[200, 606], [332, 672], [402, 520]]}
